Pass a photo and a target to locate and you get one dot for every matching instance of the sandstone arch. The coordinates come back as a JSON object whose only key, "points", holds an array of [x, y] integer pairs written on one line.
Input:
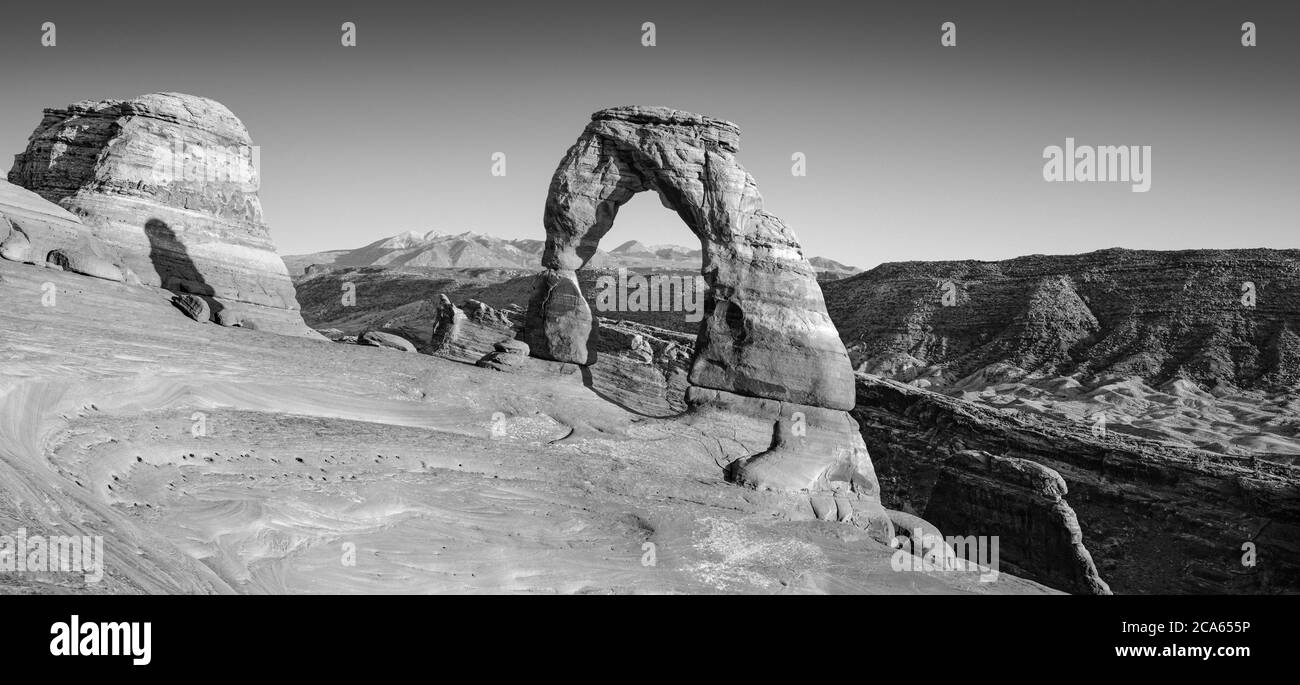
{"points": [[765, 332], [767, 350]]}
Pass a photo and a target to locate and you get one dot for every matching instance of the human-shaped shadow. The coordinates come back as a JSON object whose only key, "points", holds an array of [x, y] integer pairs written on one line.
{"points": [[177, 272]]}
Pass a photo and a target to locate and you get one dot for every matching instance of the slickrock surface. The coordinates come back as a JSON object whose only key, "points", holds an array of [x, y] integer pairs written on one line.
{"points": [[1155, 518], [766, 347], [218, 460], [167, 184]]}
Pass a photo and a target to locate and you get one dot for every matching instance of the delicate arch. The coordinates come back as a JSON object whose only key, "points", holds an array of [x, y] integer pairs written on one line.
{"points": [[765, 331]]}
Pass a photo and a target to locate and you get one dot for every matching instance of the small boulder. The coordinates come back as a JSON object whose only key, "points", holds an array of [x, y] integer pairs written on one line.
{"points": [[511, 346], [233, 319], [86, 263], [193, 306], [15, 247], [503, 361], [640, 350], [225, 317], [386, 341]]}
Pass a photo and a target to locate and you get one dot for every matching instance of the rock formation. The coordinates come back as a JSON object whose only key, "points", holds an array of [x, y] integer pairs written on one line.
{"points": [[193, 306], [767, 348], [1156, 316], [1155, 518], [167, 184], [388, 341], [31, 226], [14, 245], [468, 332], [641, 367], [86, 263], [505, 355]]}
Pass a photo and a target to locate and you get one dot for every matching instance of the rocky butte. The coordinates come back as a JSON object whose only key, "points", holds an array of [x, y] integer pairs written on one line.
{"points": [[159, 190]]}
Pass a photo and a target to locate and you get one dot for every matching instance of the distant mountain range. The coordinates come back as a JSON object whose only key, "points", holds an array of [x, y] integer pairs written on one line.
{"points": [[474, 250]]}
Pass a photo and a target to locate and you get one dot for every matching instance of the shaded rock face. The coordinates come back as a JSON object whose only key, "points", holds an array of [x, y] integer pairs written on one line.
{"points": [[1011, 494], [168, 183], [1077, 511], [767, 354], [765, 331]]}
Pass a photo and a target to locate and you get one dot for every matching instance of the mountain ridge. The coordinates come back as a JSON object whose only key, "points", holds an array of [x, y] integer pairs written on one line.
{"points": [[1159, 315], [434, 249]]}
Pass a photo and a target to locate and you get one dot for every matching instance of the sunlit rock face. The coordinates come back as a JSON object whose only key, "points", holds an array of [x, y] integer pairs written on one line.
{"points": [[167, 184], [765, 334]]}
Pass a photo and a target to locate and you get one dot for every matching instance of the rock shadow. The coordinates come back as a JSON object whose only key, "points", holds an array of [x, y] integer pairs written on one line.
{"points": [[176, 270]]}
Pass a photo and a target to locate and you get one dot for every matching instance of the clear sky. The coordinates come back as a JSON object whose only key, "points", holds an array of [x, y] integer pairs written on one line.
{"points": [[914, 151]]}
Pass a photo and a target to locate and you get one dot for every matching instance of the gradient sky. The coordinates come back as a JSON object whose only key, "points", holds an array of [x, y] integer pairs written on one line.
{"points": [[914, 151]]}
